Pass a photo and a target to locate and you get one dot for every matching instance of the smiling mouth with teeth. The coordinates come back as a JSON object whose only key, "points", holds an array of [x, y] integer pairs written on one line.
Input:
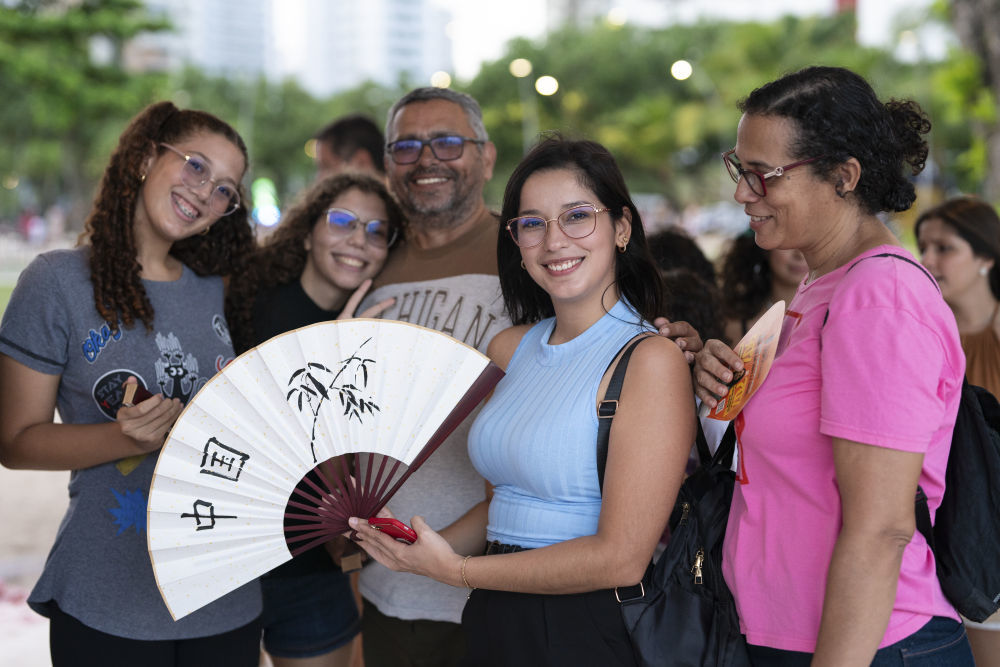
{"points": [[184, 208], [564, 265], [349, 261]]}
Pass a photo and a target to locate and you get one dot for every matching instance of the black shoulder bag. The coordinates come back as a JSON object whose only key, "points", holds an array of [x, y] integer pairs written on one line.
{"points": [[684, 614]]}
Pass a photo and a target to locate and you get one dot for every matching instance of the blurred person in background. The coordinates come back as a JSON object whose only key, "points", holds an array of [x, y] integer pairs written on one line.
{"points": [[959, 243], [753, 279], [141, 300], [352, 142], [689, 290]]}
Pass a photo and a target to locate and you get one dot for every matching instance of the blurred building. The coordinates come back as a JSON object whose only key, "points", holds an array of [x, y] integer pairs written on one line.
{"points": [[223, 37], [327, 45], [347, 43]]}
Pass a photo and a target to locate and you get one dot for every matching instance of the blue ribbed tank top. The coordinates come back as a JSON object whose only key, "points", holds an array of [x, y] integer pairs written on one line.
{"points": [[536, 439]]}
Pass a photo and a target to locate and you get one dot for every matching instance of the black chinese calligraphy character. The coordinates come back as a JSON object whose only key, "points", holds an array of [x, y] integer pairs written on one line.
{"points": [[209, 518], [222, 461]]}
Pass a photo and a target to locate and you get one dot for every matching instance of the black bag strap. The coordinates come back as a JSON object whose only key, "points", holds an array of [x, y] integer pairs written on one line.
{"points": [[889, 254], [923, 513], [609, 405]]}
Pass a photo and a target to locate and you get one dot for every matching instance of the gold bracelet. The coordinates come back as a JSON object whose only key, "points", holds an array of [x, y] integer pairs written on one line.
{"points": [[464, 580]]}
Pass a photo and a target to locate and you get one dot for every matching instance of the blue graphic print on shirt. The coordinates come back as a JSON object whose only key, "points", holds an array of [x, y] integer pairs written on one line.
{"points": [[131, 511], [96, 341]]}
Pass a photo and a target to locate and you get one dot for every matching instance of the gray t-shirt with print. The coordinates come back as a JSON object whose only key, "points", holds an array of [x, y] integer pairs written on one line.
{"points": [[99, 570]]}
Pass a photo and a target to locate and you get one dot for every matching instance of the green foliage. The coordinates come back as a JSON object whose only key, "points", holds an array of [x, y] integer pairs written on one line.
{"points": [[615, 86], [58, 98], [64, 107]]}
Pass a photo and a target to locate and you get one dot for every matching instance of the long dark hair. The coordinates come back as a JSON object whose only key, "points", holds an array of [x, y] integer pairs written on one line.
{"points": [[975, 221], [282, 257], [838, 116], [635, 272], [114, 265], [746, 279]]}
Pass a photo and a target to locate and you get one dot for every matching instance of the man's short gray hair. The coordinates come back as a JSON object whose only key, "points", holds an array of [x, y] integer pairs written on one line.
{"points": [[468, 103]]}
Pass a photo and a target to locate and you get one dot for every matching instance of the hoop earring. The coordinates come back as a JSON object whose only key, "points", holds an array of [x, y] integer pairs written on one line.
{"points": [[205, 231], [623, 247]]}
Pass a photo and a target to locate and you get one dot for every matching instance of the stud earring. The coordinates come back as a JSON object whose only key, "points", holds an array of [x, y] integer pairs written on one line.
{"points": [[142, 177], [983, 270]]}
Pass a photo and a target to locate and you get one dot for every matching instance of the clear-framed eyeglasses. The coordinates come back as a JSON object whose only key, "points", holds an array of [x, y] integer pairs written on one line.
{"points": [[342, 222], [225, 197], [576, 222], [756, 180], [445, 148]]}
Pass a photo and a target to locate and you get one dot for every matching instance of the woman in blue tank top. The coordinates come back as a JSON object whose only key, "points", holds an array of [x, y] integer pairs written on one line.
{"points": [[578, 283]]}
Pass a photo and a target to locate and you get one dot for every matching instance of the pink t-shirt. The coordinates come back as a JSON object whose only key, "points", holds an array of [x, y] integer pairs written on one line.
{"points": [[886, 370]]}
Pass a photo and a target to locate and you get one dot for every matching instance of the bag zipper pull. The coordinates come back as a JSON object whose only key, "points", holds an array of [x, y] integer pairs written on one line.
{"points": [[699, 558]]}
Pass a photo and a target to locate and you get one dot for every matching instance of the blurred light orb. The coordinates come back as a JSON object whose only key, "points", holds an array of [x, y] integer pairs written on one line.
{"points": [[546, 85], [520, 67], [268, 215], [310, 149], [617, 16], [681, 70], [441, 79], [10, 182]]}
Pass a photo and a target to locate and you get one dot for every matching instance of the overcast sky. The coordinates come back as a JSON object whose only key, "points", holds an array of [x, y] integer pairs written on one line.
{"points": [[479, 30]]}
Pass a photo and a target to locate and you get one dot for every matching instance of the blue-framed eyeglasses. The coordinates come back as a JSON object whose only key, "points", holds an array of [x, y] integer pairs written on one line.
{"points": [[342, 222]]}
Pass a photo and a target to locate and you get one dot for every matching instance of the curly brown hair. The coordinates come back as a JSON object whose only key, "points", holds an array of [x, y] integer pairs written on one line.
{"points": [[119, 295], [282, 257]]}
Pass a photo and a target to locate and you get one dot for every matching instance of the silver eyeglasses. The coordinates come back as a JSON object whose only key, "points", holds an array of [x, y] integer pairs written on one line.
{"points": [[225, 197], [576, 223]]}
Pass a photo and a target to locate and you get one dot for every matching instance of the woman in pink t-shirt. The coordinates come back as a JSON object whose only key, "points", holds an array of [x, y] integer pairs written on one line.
{"points": [[821, 550]]}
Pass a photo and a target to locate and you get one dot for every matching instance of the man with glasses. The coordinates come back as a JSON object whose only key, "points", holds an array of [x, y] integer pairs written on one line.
{"points": [[438, 159]]}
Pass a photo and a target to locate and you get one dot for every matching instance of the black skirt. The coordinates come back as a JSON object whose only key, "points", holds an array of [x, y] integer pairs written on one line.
{"points": [[547, 630]]}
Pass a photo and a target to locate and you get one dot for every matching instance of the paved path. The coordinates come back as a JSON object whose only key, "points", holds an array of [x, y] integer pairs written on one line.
{"points": [[31, 506]]}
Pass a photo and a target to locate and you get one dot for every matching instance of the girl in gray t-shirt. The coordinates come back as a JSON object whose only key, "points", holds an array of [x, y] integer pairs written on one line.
{"points": [[140, 301]]}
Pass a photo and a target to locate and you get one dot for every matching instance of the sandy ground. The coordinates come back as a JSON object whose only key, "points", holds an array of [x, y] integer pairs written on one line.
{"points": [[31, 506]]}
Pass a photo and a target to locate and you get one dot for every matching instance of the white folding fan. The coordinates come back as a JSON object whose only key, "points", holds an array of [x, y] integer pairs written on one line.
{"points": [[245, 481]]}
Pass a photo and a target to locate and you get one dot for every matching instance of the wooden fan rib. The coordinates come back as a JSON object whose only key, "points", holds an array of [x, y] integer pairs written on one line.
{"points": [[473, 396]]}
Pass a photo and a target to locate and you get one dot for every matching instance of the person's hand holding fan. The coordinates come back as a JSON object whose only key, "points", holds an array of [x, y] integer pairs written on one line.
{"points": [[241, 484]]}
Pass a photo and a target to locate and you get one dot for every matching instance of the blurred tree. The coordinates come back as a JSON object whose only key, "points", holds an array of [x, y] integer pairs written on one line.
{"points": [[615, 86], [977, 23], [64, 87], [67, 96]]}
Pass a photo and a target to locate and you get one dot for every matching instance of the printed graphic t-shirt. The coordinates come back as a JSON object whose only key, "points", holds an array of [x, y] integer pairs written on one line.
{"points": [[99, 570]]}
